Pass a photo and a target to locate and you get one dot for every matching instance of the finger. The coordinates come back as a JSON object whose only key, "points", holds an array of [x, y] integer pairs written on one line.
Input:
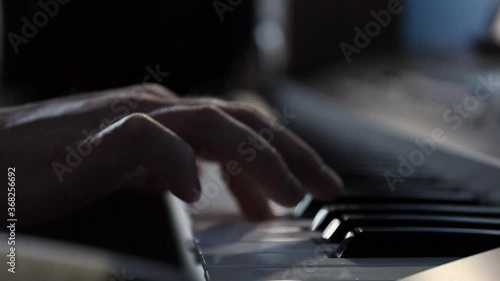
{"points": [[101, 109], [144, 88], [253, 204], [316, 177], [214, 133], [138, 139], [157, 90], [133, 99], [142, 178]]}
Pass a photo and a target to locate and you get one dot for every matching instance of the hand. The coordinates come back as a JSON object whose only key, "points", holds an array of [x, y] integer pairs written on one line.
{"points": [[72, 151]]}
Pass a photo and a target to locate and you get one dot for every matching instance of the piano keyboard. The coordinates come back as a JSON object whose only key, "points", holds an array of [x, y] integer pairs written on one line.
{"points": [[372, 235], [369, 233]]}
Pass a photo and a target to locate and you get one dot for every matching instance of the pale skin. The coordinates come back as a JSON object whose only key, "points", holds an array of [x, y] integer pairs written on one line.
{"points": [[144, 136]]}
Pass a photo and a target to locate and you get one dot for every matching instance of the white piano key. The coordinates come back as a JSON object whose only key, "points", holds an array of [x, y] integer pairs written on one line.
{"points": [[365, 273], [317, 258]]}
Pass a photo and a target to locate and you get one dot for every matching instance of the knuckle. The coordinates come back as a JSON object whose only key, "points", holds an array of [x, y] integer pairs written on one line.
{"points": [[246, 108], [210, 114], [249, 111], [213, 102], [156, 89], [135, 94], [134, 124], [149, 85]]}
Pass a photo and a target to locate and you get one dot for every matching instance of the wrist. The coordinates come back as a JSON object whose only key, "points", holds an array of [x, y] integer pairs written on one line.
{"points": [[8, 116], [4, 116]]}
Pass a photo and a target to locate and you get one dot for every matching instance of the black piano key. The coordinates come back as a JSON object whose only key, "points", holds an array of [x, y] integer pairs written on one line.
{"points": [[375, 181], [309, 206], [379, 178], [437, 197], [338, 228], [378, 186], [400, 242], [328, 213]]}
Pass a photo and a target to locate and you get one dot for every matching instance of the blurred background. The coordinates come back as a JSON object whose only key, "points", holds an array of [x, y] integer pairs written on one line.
{"points": [[220, 44]]}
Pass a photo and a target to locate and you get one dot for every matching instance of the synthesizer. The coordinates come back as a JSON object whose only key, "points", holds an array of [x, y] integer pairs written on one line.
{"points": [[444, 208]]}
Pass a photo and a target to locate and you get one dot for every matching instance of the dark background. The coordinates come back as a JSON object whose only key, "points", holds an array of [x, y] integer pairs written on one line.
{"points": [[92, 45]]}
